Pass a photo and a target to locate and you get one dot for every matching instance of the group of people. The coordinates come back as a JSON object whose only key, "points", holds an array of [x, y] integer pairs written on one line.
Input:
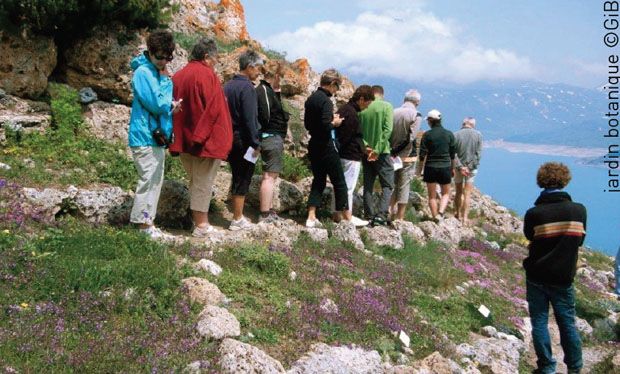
{"points": [[205, 123]]}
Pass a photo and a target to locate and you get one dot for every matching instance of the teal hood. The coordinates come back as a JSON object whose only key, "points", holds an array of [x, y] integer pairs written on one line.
{"points": [[152, 102]]}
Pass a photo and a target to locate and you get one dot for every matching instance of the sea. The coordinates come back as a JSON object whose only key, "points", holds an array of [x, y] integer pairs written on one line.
{"points": [[509, 177]]}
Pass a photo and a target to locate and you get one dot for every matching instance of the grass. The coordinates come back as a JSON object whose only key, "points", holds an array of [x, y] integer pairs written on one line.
{"points": [[66, 154], [294, 169], [88, 299]]}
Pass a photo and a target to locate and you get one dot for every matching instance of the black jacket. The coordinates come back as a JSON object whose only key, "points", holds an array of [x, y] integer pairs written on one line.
{"points": [[349, 133], [318, 117], [556, 227], [243, 107], [271, 115]]}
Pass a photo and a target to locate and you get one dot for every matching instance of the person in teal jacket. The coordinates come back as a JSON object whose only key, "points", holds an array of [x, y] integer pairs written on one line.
{"points": [[152, 107]]}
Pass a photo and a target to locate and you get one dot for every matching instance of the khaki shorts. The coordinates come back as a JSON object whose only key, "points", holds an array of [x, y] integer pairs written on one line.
{"points": [[460, 178]]}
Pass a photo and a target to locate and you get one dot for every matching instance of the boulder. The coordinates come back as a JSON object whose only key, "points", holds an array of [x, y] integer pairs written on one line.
{"points": [[27, 62], [208, 266], [202, 291], [318, 235], [448, 231], [407, 228], [240, 358], [286, 195], [23, 115], [87, 95], [436, 364], [108, 121], [384, 236], [217, 323], [173, 207], [325, 359], [96, 205], [346, 232], [101, 62], [494, 355]]}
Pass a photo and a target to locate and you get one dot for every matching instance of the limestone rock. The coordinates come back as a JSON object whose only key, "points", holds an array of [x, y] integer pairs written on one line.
{"points": [[583, 326], [346, 232], [23, 115], [108, 121], [240, 358], [384, 236], [489, 331], [448, 231], [436, 364], [407, 228], [202, 291], [27, 62], [494, 355], [224, 20], [173, 207], [286, 195], [325, 359], [95, 205], [217, 323], [318, 235], [101, 62], [208, 266], [328, 306]]}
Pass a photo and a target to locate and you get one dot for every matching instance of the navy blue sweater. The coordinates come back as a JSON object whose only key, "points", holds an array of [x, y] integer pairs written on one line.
{"points": [[242, 103]]}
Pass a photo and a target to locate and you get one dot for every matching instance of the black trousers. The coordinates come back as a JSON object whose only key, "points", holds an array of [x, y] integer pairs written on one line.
{"points": [[325, 162]]}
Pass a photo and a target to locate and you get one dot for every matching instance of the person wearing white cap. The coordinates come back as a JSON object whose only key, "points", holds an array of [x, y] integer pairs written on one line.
{"points": [[468, 150], [437, 157]]}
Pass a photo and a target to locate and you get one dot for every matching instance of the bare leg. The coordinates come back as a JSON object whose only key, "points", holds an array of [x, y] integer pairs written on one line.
{"points": [[445, 197], [400, 214], [201, 219], [466, 201], [237, 204], [432, 198], [266, 191], [457, 200], [311, 213]]}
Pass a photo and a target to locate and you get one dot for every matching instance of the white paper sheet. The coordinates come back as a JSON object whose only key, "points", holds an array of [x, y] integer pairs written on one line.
{"points": [[249, 155]]}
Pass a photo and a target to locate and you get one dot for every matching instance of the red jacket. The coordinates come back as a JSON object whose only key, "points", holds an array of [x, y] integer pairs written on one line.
{"points": [[203, 127]]}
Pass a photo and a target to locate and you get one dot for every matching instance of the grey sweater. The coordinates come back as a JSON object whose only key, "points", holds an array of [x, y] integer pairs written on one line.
{"points": [[468, 148]]}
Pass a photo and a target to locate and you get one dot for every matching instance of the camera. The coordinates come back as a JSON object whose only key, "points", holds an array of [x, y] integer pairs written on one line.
{"points": [[160, 138]]}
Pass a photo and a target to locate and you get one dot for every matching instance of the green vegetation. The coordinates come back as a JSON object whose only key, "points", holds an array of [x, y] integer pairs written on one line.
{"points": [[67, 20], [294, 169], [66, 154], [78, 298]]}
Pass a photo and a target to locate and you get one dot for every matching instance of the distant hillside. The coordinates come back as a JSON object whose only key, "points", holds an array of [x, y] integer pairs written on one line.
{"points": [[526, 112]]}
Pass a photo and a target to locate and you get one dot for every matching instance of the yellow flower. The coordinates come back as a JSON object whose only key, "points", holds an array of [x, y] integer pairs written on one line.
{"points": [[24, 305], [34, 254], [6, 232]]}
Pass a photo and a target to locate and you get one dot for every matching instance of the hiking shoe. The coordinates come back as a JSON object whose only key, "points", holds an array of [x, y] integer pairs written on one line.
{"points": [[156, 234], [273, 217], [240, 224], [202, 232], [358, 222], [314, 224], [379, 221]]}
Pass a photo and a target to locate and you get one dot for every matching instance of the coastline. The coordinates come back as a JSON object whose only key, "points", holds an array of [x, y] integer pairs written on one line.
{"points": [[546, 149]]}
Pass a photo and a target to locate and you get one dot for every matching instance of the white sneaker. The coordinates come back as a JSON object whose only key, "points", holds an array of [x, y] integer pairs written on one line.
{"points": [[240, 224], [358, 222], [314, 224], [156, 234], [201, 232]]}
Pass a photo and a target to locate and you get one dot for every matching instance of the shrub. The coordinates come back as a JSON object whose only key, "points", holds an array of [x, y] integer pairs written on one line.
{"points": [[66, 20]]}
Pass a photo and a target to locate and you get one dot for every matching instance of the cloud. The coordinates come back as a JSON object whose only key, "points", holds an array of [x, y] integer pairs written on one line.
{"points": [[409, 44]]}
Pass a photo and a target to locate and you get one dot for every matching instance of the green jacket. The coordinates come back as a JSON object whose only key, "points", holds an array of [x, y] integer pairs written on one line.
{"points": [[376, 121]]}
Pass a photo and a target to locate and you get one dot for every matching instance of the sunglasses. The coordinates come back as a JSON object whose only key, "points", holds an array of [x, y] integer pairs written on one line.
{"points": [[167, 58]]}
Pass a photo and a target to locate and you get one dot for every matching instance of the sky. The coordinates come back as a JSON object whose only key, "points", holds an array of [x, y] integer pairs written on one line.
{"points": [[447, 41]]}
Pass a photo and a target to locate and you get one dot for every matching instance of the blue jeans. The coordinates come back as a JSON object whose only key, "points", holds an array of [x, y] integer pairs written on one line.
{"points": [[563, 301]]}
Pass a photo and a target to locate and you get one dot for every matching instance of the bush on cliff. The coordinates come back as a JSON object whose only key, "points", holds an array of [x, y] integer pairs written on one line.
{"points": [[66, 20]]}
